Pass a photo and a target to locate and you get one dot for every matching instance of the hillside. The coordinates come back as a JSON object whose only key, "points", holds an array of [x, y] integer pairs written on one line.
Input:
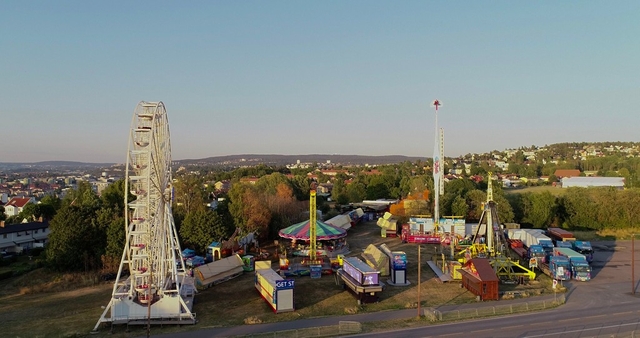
{"points": [[274, 159]]}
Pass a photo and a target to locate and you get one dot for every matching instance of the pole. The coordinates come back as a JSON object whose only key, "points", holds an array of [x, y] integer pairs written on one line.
{"points": [[453, 242], [437, 170], [633, 263], [419, 265]]}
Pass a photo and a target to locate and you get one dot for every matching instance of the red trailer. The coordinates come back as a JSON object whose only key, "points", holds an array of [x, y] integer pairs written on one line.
{"points": [[479, 278], [561, 235], [518, 248]]}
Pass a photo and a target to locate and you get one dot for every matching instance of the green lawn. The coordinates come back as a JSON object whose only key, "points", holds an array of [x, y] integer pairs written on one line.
{"points": [[556, 191]]}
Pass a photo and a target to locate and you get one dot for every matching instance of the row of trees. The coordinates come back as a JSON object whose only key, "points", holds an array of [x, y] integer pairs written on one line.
{"points": [[87, 231], [273, 202], [579, 208]]}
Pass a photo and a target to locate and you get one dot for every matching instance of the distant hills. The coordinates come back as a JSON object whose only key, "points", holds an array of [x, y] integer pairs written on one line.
{"points": [[556, 151], [51, 165], [274, 159], [229, 161]]}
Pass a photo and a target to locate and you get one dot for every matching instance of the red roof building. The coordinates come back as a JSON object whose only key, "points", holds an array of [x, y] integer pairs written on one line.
{"points": [[16, 204], [562, 173]]}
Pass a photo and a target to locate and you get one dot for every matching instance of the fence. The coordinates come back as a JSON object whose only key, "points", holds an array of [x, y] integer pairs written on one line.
{"points": [[343, 327], [487, 311], [432, 314]]}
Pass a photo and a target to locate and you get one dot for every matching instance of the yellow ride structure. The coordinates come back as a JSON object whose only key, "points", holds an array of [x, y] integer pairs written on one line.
{"points": [[490, 242], [313, 254]]}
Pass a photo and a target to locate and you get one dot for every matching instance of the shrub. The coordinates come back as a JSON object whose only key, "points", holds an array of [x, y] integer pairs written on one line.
{"points": [[35, 252], [6, 274]]}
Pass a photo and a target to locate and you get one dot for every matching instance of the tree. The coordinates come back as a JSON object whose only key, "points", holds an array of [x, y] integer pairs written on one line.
{"points": [[113, 223], [475, 199], [33, 211], [113, 195], [538, 209], [75, 242], [269, 184], [189, 193], [83, 195], [249, 209], [51, 205], [225, 215], [631, 207], [30, 212], [115, 237], [255, 214], [516, 202], [15, 219], [46, 211], [454, 190], [376, 191], [284, 209], [236, 203], [301, 185], [579, 210], [356, 192], [200, 228], [459, 207], [77, 239], [339, 192], [505, 212]]}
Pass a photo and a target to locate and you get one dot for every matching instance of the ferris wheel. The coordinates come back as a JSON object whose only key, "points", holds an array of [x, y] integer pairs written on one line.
{"points": [[157, 286]]}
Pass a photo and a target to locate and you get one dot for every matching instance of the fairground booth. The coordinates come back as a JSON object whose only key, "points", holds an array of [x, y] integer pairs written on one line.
{"points": [[479, 278]]}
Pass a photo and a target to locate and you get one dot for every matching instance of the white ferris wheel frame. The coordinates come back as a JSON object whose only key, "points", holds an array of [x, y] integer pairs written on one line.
{"points": [[158, 286]]}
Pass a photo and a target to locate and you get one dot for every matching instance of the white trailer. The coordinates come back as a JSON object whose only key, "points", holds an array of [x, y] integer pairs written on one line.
{"points": [[341, 221], [531, 237], [277, 291]]}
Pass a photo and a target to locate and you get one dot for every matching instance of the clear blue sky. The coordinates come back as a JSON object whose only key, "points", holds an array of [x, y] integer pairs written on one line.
{"points": [[321, 77]]}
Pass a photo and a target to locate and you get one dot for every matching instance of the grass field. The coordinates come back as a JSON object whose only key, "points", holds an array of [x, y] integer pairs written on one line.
{"points": [[72, 310], [556, 191]]}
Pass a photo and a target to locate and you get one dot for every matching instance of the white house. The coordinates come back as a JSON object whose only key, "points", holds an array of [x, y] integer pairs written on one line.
{"points": [[585, 182], [18, 237], [16, 204]]}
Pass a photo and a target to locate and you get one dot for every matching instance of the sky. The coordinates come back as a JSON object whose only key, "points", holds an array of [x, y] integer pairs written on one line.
{"points": [[316, 77]]}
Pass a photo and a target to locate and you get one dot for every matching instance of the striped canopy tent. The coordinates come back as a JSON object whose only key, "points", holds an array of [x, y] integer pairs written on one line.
{"points": [[324, 231]]}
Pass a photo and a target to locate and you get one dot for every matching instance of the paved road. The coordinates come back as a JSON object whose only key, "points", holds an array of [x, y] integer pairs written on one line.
{"points": [[602, 307], [615, 318]]}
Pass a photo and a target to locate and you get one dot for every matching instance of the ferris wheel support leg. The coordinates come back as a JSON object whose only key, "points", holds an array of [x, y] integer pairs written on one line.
{"points": [[102, 317]]}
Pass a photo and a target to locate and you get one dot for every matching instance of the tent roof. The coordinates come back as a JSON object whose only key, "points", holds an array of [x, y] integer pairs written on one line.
{"points": [[324, 231]]}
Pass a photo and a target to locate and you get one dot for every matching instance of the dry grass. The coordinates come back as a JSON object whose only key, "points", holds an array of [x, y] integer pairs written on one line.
{"points": [[556, 191], [56, 311], [607, 234]]}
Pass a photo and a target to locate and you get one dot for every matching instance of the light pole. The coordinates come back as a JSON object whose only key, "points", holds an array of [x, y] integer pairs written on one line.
{"points": [[633, 263], [419, 267]]}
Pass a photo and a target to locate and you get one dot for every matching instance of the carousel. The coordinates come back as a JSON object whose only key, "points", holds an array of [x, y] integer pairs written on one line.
{"points": [[330, 240], [316, 247]]}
